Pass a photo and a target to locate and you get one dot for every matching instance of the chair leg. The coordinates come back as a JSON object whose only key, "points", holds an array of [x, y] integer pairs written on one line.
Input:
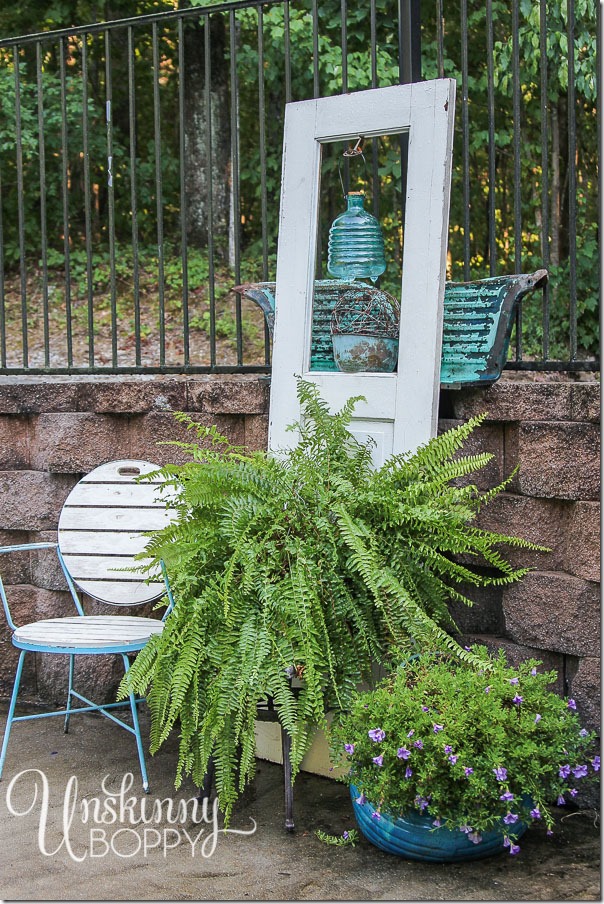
{"points": [[286, 744], [68, 706], [11, 710], [137, 732]]}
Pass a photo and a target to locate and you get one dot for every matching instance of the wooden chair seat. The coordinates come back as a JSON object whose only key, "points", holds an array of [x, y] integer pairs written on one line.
{"points": [[89, 633]]}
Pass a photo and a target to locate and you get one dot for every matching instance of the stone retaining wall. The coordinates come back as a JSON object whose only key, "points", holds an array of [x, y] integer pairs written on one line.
{"points": [[54, 430]]}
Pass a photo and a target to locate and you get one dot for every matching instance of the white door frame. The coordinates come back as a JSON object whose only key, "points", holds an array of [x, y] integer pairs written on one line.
{"points": [[401, 408]]}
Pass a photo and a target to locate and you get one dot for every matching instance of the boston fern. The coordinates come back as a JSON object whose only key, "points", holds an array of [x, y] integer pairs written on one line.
{"points": [[311, 564]]}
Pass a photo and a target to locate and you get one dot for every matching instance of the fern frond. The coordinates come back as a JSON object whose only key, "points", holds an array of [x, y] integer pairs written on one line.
{"points": [[309, 561]]}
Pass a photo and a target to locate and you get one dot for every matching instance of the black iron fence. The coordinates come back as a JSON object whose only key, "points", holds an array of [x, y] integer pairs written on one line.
{"points": [[140, 165]]}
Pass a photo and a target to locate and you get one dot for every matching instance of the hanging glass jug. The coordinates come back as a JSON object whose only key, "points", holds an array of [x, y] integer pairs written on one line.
{"points": [[356, 243]]}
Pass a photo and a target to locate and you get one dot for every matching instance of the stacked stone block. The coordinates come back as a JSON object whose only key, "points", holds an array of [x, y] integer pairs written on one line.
{"points": [[54, 430], [550, 431]]}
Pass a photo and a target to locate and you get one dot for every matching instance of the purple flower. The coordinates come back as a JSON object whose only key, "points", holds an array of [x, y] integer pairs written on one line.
{"points": [[474, 837], [377, 734], [345, 836], [419, 744], [510, 818], [514, 849], [561, 802], [507, 795], [506, 841], [453, 758], [580, 771], [403, 754], [573, 792], [436, 823], [583, 733], [376, 815], [513, 680], [448, 748], [549, 832], [466, 829], [517, 699], [378, 760], [408, 772], [349, 748], [421, 803], [596, 763], [537, 718], [501, 773], [487, 689], [438, 728], [425, 709], [361, 799], [571, 703], [536, 813], [564, 771], [411, 733], [468, 771], [533, 672]]}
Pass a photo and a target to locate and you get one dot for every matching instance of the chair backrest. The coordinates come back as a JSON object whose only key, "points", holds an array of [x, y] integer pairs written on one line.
{"points": [[101, 529]]}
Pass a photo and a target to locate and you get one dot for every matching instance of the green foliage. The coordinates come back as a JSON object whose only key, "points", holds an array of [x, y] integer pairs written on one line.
{"points": [[29, 150], [447, 730], [257, 243], [70, 157], [346, 838], [307, 564], [588, 298], [535, 131], [587, 277], [135, 305]]}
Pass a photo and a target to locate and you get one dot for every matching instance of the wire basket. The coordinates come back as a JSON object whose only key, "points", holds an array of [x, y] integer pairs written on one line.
{"points": [[365, 311]]}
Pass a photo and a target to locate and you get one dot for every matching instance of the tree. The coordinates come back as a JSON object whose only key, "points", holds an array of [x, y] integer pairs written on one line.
{"points": [[207, 110]]}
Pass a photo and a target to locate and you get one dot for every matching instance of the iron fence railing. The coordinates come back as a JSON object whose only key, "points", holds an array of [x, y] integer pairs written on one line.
{"points": [[530, 92], [140, 162]]}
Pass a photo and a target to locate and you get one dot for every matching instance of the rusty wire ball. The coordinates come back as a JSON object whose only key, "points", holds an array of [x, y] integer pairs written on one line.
{"points": [[366, 312]]}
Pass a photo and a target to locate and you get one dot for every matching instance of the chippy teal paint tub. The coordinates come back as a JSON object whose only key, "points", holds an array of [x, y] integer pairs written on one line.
{"points": [[414, 837]]}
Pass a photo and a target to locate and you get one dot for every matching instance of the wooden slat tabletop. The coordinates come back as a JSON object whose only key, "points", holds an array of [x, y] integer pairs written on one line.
{"points": [[102, 528]]}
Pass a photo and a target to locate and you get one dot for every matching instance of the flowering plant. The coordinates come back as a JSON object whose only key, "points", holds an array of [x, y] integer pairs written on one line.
{"points": [[475, 750]]}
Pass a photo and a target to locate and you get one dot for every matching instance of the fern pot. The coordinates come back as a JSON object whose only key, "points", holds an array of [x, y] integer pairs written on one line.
{"points": [[414, 837]]}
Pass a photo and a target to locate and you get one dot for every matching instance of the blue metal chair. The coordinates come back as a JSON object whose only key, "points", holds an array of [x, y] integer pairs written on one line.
{"points": [[101, 529]]}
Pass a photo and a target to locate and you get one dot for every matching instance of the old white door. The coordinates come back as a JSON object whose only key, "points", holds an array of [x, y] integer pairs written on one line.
{"points": [[401, 408]]}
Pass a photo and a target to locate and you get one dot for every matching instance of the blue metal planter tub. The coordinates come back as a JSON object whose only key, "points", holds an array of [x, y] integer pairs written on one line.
{"points": [[414, 837]]}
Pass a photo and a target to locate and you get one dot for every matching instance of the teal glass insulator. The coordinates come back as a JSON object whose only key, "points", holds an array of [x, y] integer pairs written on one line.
{"points": [[356, 242]]}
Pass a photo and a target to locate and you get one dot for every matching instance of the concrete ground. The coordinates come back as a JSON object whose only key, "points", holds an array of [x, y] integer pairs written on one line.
{"points": [[52, 849]]}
